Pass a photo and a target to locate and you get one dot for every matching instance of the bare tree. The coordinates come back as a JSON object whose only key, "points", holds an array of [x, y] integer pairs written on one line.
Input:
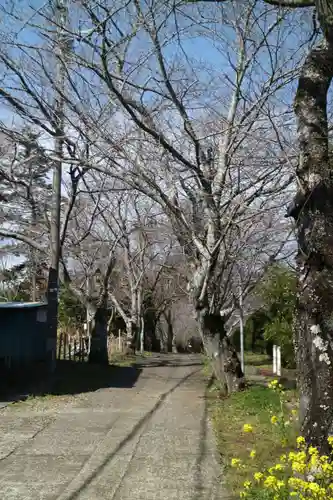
{"points": [[194, 148], [312, 212]]}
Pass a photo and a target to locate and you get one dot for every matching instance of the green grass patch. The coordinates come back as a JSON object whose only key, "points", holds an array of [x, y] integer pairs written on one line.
{"points": [[254, 406], [257, 359]]}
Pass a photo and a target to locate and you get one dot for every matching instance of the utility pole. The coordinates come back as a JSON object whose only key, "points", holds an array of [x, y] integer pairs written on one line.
{"points": [[60, 48]]}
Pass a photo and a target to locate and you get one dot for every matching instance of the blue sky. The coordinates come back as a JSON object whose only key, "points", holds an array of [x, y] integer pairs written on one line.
{"points": [[201, 51]]}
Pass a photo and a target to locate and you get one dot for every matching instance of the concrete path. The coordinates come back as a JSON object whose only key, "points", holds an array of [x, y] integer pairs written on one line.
{"points": [[151, 441]]}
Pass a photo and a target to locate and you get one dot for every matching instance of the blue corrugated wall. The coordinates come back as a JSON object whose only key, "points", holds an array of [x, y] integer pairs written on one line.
{"points": [[22, 335]]}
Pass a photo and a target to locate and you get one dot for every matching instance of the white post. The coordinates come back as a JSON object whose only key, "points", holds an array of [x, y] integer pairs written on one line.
{"points": [[274, 359], [119, 340], [241, 328], [278, 361]]}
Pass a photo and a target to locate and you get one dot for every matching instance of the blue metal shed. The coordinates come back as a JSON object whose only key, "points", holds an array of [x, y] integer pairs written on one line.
{"points": [[23, 333]]}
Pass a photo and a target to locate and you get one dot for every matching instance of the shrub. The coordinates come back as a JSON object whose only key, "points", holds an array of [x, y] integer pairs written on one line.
{"points": [[72, 313], [278, 292]]}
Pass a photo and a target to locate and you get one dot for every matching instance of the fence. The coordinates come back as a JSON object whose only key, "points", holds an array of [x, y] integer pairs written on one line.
{"points": [[77, 348], [73, 348], [117, 344]]}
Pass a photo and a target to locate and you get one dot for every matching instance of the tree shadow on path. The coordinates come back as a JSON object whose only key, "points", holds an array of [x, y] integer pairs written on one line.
{"points": [[135, 430]]}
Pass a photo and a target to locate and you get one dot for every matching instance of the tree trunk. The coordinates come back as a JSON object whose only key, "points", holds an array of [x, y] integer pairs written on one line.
{"points": [[99, 349], [170, 334], [313, 213], [99, 337], [225, 363]]}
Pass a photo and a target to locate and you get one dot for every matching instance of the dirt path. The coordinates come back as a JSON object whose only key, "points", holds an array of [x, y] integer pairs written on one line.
{"points": [[148, 439]]}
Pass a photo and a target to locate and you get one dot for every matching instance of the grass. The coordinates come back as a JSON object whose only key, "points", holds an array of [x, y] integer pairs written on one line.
{"points": [[253, 406], [121, 359], [257, 359]]}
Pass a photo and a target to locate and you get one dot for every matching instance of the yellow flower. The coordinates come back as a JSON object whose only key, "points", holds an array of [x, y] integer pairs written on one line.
{"points": [[273, 384], [270, 482], [300, 441], [274, 419], [327, 469], [247, 485], [235, 462], [294, 413], [280, 484], [243, 494], [258, 476], [276, 468], [314, 460], [247, 428], [296, 483], [283, 458], [313, 451], [284, 442], [330, 440], [298, 467], [253, 454], [316, 489]]}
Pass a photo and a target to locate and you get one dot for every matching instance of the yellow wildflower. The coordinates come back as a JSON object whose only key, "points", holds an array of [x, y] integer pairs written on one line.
{"points": [[330, 440], [300, 441], [314, 461], [253, 454], [235, 462], [312, 450], [247, 485], [280, 484], [296, 483], [298, 467], [258, 476], [273, 384], [247, 428], [316, 489], [270, 482], [327, 469], [274, 419]]}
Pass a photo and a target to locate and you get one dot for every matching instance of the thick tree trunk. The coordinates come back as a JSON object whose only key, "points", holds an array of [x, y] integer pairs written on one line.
{"points": [[99, 337], [313, 213], [170, 334], [225, 363]]}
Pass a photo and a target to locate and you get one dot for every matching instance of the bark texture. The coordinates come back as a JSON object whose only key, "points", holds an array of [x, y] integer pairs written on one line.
{"points": [[99, 336], [313, 213], [98, 349], [225, 363]]}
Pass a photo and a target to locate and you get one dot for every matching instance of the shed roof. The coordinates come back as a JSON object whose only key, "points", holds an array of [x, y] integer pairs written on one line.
{"points": [[21, 305]]}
